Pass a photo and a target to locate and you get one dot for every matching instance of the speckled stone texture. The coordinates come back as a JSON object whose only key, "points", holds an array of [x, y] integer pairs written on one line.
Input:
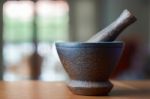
{"points": [[89, 65]]}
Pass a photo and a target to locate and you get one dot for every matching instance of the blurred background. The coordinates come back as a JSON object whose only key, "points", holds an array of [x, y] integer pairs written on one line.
{"points": [[29, 28]]}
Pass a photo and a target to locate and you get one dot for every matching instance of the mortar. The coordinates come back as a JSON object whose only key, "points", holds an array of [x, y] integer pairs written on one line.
{"points": [[89, 64]]}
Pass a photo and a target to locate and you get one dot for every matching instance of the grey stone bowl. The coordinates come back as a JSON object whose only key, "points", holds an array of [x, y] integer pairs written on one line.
{"points": [[89, 65]]}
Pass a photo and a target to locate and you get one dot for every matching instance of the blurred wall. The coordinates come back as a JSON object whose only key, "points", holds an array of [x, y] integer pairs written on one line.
{"points": [[1, 39], [82, 19], [87, 17]]}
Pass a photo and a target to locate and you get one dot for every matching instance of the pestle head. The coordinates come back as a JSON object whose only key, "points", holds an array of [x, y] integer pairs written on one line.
{"points": [[127, 16], [111, 32]]}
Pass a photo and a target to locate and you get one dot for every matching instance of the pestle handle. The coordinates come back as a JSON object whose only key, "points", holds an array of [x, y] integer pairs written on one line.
{"points": [[111, 32]]}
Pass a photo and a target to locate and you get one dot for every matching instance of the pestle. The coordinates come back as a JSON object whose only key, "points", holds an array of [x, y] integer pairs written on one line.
{"points": [[111, 32]]}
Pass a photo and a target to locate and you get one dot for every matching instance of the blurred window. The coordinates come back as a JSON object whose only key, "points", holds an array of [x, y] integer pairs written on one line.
{"points": [[18, 19], [51, 25], [52, 20]]}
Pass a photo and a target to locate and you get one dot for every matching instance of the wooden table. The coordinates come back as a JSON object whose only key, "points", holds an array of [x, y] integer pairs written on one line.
{"points": [[58, 90]]}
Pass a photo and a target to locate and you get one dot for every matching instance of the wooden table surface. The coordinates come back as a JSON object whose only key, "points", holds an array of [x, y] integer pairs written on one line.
{"points": [[58, 90]]}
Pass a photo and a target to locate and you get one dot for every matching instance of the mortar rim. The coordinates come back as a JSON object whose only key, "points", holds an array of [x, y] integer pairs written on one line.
{"points": [[84, 44]]}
